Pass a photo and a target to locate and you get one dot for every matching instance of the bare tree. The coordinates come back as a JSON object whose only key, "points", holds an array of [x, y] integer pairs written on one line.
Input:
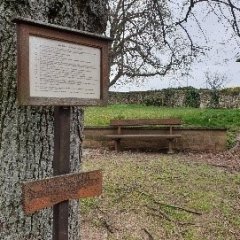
{"points": [[215, 81], [26, 133], [152, 37]]}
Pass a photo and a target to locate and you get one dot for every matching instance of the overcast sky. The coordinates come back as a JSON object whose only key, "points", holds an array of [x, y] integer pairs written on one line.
{"points": [[221, 58]]}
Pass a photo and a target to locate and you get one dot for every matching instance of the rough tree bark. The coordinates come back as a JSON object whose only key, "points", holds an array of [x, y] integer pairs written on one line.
{"points": [[26, 133]]}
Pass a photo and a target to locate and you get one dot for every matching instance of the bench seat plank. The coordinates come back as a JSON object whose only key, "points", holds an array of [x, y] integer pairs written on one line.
{"points": [[167, 136]]}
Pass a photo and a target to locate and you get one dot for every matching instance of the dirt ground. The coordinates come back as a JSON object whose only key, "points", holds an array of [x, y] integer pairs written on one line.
{"points": [[152, 196], [228, 160]]}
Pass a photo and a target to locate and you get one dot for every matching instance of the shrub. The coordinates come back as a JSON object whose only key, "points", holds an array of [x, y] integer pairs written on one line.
{"points": [[214, 101], [192, 97], [154, 99], [163, 98]]}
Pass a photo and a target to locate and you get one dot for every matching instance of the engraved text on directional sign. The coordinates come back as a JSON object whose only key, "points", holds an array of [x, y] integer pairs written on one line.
{"points": [[48, 192]]}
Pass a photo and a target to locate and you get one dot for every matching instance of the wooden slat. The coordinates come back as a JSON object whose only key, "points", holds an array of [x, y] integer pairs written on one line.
{"points": [[145, 122], [167, 136], [44, 193]]}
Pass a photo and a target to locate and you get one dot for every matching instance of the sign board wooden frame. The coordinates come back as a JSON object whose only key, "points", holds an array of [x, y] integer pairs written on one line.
{"points": [[44, 79]]}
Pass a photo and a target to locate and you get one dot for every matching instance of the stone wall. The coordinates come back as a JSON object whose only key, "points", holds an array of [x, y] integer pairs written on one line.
{"points": [[226, 98]]}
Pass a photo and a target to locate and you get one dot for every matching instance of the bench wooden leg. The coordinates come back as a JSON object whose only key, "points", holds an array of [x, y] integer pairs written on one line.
{"points": [[170, 146], [117, 145]]}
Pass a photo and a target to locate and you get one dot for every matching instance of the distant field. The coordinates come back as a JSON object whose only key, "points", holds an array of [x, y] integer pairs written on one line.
{"points": [[224, 118]]}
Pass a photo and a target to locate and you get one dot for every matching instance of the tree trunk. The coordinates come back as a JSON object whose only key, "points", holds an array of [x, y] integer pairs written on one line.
{"points": [[26, 133]]}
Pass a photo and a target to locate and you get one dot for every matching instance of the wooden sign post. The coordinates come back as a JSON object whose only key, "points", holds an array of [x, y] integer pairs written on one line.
{"points": [[61, 165], [60, 67]]}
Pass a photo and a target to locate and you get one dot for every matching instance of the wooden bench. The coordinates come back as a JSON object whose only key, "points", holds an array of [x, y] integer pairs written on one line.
{"points": [[169, 123]]}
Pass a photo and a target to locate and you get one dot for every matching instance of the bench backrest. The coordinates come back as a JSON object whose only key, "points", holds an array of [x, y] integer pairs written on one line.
{"points": [[146, 122]]}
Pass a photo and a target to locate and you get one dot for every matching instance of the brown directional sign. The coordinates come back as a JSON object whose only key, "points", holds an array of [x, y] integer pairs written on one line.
{"points": [[48, 192]]}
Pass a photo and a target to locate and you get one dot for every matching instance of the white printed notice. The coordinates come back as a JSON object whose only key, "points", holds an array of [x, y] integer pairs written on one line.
{"points": [[63, 70]]}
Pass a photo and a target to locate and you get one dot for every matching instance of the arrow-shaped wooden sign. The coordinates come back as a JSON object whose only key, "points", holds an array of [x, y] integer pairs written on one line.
{"points": [[50, 191]]}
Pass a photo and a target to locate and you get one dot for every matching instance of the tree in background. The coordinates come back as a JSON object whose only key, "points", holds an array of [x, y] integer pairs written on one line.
{"points": [[215, 82], [147, 41], [153, 37], [26, 133]]}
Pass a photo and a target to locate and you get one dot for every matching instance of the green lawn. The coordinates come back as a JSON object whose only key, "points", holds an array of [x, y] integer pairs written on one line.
{"points": [[224, 118], [154, 196]]}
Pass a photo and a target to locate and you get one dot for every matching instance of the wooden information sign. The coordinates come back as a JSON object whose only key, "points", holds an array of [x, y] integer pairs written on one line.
{"points": [[60, 66], [48, 192]]}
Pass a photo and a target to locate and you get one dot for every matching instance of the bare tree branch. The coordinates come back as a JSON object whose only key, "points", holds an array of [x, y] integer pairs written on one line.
{"points": [[150, 40]]}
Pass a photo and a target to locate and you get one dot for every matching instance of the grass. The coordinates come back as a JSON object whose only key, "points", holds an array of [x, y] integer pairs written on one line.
{"points": [[224, 118], [213, 118], [148, 196]]}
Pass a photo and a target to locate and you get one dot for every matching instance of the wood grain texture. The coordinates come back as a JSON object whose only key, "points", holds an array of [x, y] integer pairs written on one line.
{"points": [[48, 192], [166, 136]]}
